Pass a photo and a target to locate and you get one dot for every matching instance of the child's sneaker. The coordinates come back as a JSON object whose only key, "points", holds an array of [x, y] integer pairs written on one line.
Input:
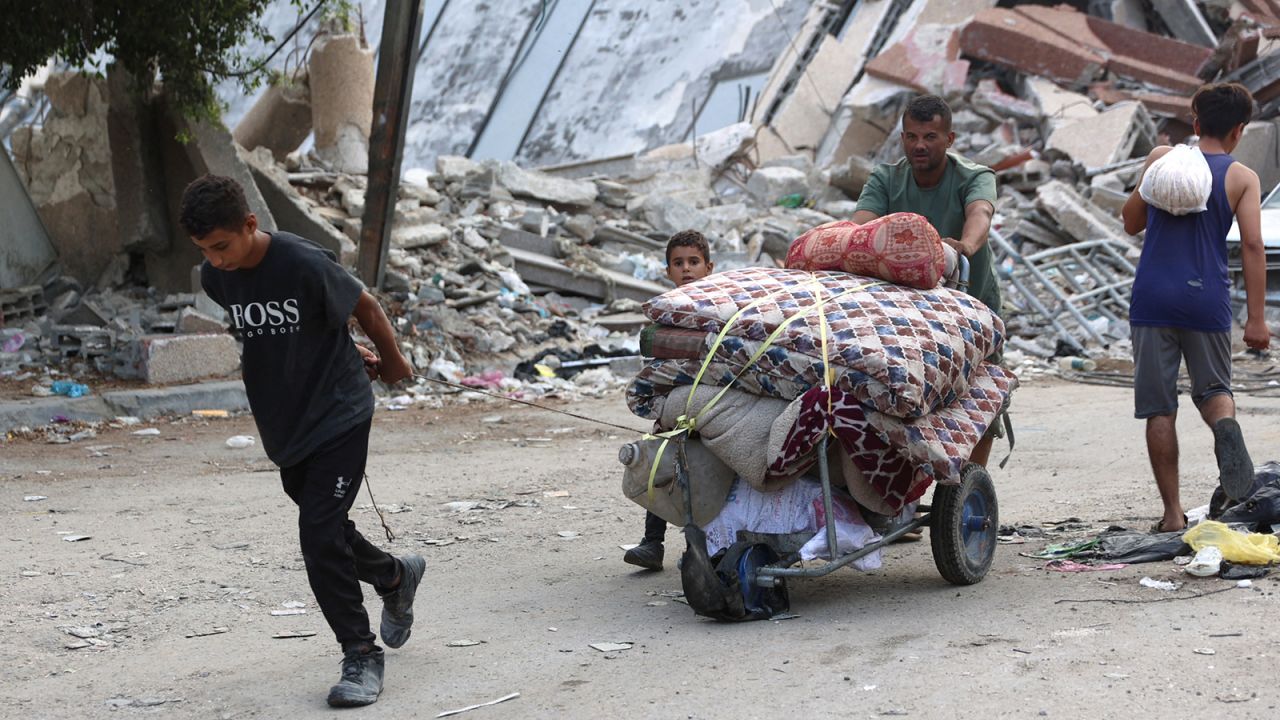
{"points": [[1235, 468], [361, 679], [397, 605], [648, 555]]}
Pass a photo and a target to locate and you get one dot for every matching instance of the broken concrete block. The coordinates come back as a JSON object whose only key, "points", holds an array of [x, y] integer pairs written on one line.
{"points": [[419, 236], [853, 175], [927, 60], [191, 320], [291, 211], [455, 168], [990, 100], [868, 115], [1122, 132], [341, 82], [769, 184], [1076, 216], [582, 226], [668, 215], [548, 188], [1058, 107], [165, 359], [280, 118], [803, 163], [1259, 150], [613, 194]]}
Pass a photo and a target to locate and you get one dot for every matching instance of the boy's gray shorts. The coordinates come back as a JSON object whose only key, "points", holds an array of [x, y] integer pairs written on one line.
{"points": [[1157, 354]]}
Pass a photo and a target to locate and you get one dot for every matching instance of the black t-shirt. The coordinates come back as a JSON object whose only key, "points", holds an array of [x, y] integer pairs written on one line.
{"points": [[305, 381]]}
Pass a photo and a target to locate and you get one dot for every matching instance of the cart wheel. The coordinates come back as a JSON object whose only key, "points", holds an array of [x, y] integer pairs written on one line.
{"points": [[963, 527]]}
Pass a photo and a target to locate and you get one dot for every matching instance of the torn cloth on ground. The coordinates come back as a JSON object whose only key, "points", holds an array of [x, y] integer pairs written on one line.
{"points": [[1121, 545], [899, 350], [798, 508]]}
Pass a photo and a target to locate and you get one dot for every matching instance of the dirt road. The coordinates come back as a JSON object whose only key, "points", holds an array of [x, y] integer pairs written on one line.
{"points": [[187, 536]]}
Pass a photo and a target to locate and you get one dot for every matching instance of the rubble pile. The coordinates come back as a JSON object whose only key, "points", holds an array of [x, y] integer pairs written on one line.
{"points": [[509, 278]]}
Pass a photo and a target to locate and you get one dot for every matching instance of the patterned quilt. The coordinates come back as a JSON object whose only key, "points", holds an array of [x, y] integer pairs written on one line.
{"points": [[901, 351]]}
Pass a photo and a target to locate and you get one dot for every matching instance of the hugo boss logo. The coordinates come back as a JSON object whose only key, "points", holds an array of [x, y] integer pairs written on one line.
{"points": [[273, 318]]}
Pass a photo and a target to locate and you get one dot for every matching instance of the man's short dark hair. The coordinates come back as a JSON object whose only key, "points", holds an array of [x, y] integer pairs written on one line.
{"points": [[1221, 107], [924, 108], [689, 238], [213, 202]]}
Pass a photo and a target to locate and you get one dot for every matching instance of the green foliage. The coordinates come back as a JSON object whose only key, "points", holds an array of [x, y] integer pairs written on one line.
{"points": [[187, 44]]}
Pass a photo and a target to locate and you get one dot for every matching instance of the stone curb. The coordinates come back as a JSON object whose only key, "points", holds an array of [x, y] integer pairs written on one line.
{"points": [[145, 404]]}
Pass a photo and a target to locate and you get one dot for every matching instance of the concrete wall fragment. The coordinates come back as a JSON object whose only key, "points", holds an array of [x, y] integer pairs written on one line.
{"points": [[66, 167], [341, 82], [280, 120]]}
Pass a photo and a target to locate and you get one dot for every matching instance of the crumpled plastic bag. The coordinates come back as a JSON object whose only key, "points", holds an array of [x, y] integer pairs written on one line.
{"points": [[1179, 182], [1236, 547]]}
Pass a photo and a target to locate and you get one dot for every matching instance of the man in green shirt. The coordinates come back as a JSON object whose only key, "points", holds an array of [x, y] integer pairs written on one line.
{"points": [[956, 196]]}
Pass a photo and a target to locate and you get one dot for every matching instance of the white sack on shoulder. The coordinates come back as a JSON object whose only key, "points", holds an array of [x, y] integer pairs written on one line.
{"points": [[1179, 182]]}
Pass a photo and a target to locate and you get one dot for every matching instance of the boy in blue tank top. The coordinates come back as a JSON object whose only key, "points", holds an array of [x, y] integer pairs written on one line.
{"points": [[1181, 305]]}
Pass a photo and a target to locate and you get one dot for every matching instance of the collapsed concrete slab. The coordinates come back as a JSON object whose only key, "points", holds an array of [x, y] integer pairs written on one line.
{"points": [[25, 251], [291, 211], [1077, 216], [548, 188], [1122, 132], [1074, 48]]}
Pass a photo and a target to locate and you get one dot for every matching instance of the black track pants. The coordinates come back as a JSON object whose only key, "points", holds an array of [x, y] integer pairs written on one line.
{"points": [[324, 486]]}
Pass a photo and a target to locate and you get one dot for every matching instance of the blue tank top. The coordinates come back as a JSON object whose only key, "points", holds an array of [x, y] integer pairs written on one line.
{"points": [[1182, 278]]}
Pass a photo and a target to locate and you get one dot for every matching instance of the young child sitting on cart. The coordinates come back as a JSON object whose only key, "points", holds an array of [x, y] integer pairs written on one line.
{"points": [[688, 260]]}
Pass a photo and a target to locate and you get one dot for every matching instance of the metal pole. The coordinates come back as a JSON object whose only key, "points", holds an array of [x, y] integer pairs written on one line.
{"points": [[392, 90], [833, 545]]}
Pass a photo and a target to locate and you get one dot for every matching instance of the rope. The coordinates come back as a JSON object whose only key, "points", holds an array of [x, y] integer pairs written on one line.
{"points": [[467, 388], [685, 424], [381, 518]]}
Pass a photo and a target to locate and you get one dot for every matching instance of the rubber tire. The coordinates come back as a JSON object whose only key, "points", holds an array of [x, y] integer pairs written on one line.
{"points": [[955, 562]]}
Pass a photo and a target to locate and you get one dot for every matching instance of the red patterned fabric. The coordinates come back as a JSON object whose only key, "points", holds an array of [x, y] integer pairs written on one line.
{"points": [[902, 248]]}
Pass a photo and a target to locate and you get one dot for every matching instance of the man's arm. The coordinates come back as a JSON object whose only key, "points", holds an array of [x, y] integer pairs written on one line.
{"points": [[862, 217], [1134, 212], [1253, 258], [977, 226], [392, 367]]}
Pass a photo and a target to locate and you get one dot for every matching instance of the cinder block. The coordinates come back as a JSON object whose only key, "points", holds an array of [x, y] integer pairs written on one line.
{"points": [[165, 359]]}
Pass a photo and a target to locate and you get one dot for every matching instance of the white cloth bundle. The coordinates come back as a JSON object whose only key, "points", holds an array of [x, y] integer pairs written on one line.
{"points": [[1179, 182]]}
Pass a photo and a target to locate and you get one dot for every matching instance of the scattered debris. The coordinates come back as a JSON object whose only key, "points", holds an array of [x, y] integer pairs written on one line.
{"points": [[611, 646], [240, 442], [469, 708], [206, 633], [291, 634], [1158, 584], [76, 538], [464, 643]]}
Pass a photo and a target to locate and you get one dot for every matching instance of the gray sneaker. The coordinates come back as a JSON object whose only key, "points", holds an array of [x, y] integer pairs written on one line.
{"points": [[361, 679], [397, 605]]}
